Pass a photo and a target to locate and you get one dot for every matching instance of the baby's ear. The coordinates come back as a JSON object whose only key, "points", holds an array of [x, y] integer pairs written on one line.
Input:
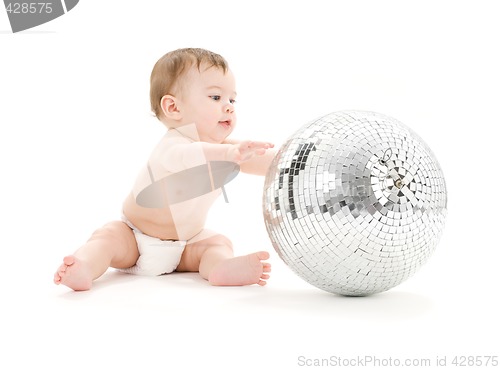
{"points": [[169, 107]]}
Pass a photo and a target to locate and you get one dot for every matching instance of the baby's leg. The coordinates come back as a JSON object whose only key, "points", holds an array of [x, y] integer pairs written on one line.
{"points": [[112, 245], [212, 255]]}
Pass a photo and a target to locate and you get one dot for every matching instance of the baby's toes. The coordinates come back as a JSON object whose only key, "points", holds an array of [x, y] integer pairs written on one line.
{"points": [[262, 255], [68, 260], [266, 267]]}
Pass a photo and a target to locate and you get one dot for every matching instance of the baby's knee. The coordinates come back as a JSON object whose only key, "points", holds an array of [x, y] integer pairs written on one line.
{"points": [[113, 231], [221, 240], [215, 243]]}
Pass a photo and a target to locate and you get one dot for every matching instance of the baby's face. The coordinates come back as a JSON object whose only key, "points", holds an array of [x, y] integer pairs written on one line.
{"points": [[207, 100]]}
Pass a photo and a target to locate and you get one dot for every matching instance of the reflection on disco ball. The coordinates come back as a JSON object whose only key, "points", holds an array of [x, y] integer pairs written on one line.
{"points": [[354, 202]]}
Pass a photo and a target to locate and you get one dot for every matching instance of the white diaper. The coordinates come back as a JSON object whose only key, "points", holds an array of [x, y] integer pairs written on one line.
{"points": [[156, 256]]}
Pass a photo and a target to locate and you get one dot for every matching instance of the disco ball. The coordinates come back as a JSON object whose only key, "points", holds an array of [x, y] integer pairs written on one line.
{"points": [[354, 202]]}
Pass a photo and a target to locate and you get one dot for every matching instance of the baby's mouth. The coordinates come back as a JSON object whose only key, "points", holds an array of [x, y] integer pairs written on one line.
{"points": [[225, 124]]}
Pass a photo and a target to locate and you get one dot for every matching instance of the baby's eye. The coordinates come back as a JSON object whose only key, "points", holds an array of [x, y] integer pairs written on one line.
{"points": [[215, 97], [232, 101]]}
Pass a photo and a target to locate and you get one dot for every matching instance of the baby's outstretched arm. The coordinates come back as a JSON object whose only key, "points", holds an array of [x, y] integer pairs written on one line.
{"points": [[245, 150], [259, 156], [245, 153]]}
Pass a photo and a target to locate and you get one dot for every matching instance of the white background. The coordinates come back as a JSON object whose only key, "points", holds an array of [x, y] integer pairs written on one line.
{"points": [[75, 128]]}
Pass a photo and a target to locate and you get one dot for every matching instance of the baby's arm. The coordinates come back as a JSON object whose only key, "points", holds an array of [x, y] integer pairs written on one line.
{"points": [[259, 160], [187, 155]]}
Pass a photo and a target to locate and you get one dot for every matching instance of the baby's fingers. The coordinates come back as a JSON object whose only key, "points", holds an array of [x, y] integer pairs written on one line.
{"points": [[261, 145], [248, 149], [258, 148]]}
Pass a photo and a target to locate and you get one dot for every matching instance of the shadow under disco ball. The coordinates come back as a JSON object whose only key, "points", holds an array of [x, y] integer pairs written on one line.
{"points": [[354, 202]]}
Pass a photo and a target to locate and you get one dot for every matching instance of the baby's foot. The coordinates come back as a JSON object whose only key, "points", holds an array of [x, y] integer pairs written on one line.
{"points": [[74, 274], [243, 270]]}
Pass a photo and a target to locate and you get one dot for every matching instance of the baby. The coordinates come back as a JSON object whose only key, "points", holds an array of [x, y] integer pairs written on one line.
{"points": [[162, 230]]}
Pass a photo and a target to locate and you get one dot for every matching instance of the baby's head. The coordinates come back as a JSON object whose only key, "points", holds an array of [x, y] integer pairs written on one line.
{"points": [[169, 70]]}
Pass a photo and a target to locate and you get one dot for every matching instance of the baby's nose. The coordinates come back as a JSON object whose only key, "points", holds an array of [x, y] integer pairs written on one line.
{"points": [[229, 108]]}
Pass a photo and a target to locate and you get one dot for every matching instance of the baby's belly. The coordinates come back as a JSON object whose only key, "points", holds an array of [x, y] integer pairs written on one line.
{"points": [[181, 221]]}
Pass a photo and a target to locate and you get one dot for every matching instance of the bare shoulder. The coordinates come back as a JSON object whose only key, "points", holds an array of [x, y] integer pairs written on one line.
{"points": [[169, 141]]}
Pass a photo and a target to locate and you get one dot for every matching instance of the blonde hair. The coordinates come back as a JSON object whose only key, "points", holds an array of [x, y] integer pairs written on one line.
{"points": [[172, 66]]}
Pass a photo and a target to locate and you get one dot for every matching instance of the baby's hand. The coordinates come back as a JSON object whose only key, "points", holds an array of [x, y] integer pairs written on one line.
{"points": [[245, 150]]}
